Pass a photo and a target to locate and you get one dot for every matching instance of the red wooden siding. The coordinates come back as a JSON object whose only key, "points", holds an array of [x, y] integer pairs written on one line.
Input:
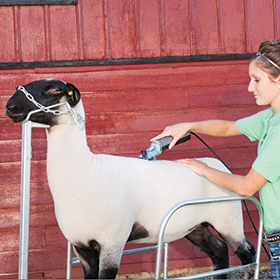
{"points": [[125, 107], [127, 104], [105, 29]]}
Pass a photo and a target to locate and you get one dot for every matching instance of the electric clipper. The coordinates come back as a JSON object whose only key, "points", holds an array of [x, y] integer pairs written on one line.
{"points": [[158, 146]]}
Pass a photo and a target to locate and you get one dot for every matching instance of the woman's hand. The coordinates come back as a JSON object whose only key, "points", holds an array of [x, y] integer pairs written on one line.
{"points": [[177, 131], [197, 166]]}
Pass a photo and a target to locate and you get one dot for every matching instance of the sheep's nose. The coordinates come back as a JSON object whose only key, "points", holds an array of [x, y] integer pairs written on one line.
{"points": [[11, 107]]}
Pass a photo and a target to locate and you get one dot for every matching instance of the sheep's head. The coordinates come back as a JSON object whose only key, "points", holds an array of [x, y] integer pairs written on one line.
{"points": [[45, 92]]}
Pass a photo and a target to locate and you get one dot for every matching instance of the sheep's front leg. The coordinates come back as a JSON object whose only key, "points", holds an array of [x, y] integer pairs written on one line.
{"points": [[98, 261], [89, 258]]}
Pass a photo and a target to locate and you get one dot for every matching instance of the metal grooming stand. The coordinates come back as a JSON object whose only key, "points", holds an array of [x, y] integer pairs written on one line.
{"points": [[24, 222], [26, 155], [252, 266]]}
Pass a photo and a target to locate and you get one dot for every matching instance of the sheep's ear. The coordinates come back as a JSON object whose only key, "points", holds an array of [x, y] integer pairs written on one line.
{"points": [[73, 94]]}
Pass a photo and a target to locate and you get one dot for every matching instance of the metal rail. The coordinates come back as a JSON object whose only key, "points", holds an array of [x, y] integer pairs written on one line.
{"points": [[251, 266]]}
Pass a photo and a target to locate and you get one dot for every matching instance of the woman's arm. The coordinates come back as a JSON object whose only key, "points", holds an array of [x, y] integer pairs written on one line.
{"points": [[210, 127], [243, 185]]}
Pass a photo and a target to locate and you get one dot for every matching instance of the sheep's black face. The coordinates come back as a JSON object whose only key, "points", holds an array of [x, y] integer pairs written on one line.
{"points": [[46, 92]]}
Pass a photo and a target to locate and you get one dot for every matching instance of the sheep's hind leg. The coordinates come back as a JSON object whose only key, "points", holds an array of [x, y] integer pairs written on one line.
{"points": [[89, 258], [244, 250], [209, 244]]}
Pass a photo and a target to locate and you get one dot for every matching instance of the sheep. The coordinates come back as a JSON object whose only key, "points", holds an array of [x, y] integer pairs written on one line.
{"points": [[103, 201]]}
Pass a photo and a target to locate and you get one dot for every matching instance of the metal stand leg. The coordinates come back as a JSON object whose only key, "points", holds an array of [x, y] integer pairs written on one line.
{"points": [[69, 261], [26, 155], [24, 201], [165, 262]]}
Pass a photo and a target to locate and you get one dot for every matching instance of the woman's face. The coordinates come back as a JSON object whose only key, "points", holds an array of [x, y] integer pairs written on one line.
{"points": [[265, 90]]}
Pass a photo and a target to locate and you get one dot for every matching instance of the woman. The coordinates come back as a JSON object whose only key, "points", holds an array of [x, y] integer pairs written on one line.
{"points": [[264, 175]]}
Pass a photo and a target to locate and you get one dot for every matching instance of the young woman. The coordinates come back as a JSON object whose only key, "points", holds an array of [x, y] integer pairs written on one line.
{"points": [[264, 175]]}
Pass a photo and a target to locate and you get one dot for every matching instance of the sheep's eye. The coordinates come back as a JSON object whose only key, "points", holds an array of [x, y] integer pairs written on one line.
{"points": [[53, 91]]}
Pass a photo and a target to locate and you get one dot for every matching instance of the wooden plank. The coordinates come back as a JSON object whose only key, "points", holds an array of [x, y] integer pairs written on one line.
{"points": [[10, 80], [123, 30], [149, 28], [261, 22], [153, 121], [132, 100], [10, 173], [54, 238], [3, 102], [9, 239], [8, 130], [184, 75], [166, 98], [124, 77], [10, 151], [233, 27], [178, 28], [40, 194], [33, 35], [13, 131], [277, 18], [206, 27], [94, 29], [40, 216], [7, 34], [63, 26], [38, 260]]}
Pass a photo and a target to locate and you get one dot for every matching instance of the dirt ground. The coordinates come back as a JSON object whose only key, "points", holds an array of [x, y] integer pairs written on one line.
{"points": [[265, 273]]}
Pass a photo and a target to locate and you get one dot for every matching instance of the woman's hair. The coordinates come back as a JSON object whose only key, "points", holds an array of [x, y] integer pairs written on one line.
{"points": [[268, 56]]}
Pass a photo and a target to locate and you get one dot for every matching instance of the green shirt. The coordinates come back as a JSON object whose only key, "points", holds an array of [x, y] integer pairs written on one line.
{"points": [[265, 127]]}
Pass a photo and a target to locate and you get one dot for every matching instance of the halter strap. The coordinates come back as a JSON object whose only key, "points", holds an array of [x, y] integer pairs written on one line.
{"points": [[71, 111]]}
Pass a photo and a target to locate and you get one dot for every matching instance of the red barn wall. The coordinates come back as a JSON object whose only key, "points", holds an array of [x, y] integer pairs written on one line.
{"points": [[128, 103], [107, 29]]}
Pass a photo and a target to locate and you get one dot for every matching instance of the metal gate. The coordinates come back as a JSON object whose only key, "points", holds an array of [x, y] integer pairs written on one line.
{"points": [[252, 266]]}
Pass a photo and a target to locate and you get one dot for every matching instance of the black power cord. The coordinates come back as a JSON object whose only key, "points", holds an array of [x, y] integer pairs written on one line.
{"points": [[245, 204]]}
